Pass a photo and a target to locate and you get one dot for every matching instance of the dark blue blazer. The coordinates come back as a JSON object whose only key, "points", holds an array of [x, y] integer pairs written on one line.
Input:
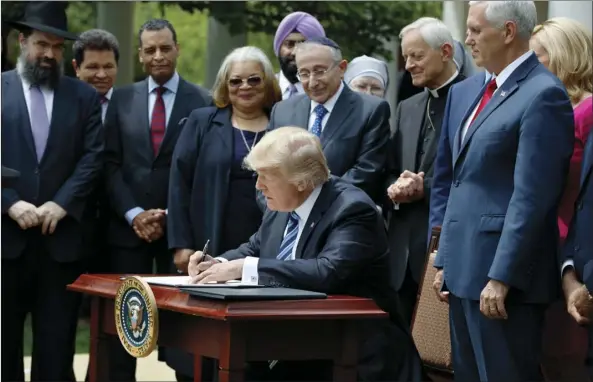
{"points": [[579, 245], [199, 182], [507, 177], [67, 173]]}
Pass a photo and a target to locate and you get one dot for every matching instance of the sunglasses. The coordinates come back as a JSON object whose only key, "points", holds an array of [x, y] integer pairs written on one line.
{"points": [[251, 81]]}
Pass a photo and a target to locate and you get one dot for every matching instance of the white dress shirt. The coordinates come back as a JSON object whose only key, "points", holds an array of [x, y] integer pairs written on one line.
{"points": [[500, 80], [329, 106], [250, 274], [285, 86], [169, 99]]}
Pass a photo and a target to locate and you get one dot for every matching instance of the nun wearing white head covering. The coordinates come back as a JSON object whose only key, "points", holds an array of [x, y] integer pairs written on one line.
{"points": [[367, 75]]}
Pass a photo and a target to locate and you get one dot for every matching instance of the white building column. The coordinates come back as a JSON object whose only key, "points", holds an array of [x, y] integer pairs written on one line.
{"points": [[220, 43], [454, 17], [581, 11]]}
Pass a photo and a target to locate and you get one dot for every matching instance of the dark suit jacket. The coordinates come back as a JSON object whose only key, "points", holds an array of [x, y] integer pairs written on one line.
{"points": [[135, 177], [579, 246], [501, 220], [342, 250], [409, 223], [66, 174], [202, 157], [354, 139]]}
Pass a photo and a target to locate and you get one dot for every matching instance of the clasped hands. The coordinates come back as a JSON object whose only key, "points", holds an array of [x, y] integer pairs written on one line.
{"points": [[150, 225], [409, 187], [204, 269], [26, 215]]}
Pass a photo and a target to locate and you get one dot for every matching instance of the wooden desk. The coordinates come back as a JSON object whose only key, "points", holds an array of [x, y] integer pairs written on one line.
{"points": [[236, 332]]}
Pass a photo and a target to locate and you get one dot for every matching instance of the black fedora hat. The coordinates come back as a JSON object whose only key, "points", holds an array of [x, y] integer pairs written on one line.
{"points": [[46, 16]]}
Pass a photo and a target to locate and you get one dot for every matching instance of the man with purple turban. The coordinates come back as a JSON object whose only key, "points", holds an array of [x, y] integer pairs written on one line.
{"points": [[293, 29]]}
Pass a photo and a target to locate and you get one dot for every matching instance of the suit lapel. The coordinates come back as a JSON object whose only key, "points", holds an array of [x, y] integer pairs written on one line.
{"points": [[321, 205], [178, 112], [17, 104], [278, 226], [140, 113], [301, 112], [341, 111], [499, 97], [479, 82], [587, 168], [60, 107], [224, 127], [411, 133]]}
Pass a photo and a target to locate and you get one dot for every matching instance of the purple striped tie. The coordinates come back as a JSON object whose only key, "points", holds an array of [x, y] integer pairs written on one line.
{"points": [[39, 121]]}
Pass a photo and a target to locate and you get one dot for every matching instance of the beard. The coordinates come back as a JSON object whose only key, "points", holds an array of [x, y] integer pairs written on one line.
{"points": [[32, 71], [289, 68]]}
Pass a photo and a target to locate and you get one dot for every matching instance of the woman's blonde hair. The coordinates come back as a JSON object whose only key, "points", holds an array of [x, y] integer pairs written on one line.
{"points": [[569, 47], [220, 90], [295, 152]]}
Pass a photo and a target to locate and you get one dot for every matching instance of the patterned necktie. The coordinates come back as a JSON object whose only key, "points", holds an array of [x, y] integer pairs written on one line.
{"points": [[292, 229], [292, 90], [320, 111], [490, 89], [159, 120], [39, 121]]}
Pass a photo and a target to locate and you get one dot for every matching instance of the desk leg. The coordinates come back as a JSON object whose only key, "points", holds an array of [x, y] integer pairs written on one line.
{"points": [[232, 355], [346, 361], [98, 357], [197, 368]]}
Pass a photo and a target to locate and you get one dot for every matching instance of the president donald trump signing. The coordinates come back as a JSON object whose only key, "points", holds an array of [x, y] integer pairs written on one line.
{"points": [[318, 233]]}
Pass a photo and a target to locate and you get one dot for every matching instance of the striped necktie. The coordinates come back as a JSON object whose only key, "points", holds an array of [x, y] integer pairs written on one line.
{"points": [[292, 230]]}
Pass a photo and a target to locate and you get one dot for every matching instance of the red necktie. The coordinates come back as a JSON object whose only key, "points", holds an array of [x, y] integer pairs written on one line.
{"points": [[159, 120], [490, 89]]}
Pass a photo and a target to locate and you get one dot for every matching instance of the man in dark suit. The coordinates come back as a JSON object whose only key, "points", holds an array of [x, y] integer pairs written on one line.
{"points": [[142, 125], [353, 127], [497, 250], [318, 233], [577, 261], [413, 149], [51, 134]]}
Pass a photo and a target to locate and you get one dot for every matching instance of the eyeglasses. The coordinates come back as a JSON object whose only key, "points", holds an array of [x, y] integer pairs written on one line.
{"points": [[305, 75], [251, 81]]}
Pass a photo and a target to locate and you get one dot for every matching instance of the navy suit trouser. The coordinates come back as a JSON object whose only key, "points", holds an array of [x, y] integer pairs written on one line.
{"points": [[489, 350]]}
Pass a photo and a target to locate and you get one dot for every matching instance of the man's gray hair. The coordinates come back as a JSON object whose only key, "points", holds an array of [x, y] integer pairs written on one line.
{"points": [[522, 13], [305, 45], [433, 31]]}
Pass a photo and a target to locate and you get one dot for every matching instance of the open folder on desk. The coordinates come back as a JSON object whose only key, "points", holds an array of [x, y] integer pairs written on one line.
{"points": [[183, 281]]}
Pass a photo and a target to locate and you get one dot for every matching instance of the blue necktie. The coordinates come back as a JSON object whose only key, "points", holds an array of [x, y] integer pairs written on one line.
{"points": [[292, 229], [321, 112], [39, 121]]}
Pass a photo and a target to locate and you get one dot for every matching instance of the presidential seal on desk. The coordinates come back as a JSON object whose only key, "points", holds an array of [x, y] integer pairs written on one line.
{"points": [[136, 317]]}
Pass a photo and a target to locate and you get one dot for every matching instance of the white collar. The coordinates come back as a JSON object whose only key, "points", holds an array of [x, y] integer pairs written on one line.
{"points": [[109, 94], [510, 68], [330, 103], [435, 92], [285, 84], [304, 210], [170, 85]]}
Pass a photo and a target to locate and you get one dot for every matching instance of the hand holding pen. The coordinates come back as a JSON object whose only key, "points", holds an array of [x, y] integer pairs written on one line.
{"points": [[200, 261]]}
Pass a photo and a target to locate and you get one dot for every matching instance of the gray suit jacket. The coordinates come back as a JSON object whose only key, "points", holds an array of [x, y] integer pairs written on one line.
{"points": [[354, 139]]}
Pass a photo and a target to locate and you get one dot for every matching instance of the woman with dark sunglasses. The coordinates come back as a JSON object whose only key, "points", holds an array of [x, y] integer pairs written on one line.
{"points": [[211, 196]]}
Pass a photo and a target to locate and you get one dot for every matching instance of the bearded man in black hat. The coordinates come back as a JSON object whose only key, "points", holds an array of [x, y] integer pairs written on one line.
{"points": [[51, 134]]}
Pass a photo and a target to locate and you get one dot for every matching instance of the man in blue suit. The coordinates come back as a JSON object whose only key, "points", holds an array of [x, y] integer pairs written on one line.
{"points": [[501, 175], [577, 265]]}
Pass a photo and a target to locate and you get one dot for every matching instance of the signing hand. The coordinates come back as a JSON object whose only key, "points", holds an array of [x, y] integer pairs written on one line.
{"points": [[25, 214], [492, 300], [149, 225], [50, 214], [220, 272], [181, 259], [199, 263], [437, 284]]}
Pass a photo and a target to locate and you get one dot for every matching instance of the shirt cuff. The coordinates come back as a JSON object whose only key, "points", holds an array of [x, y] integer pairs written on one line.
{"points": [[566, 264], [166, 211], [221, 259], [250, 275], [131, 214], [395, 206]]}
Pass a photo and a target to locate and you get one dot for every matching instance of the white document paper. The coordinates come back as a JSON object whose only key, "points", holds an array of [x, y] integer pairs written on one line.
{"points": [[183, 281]]}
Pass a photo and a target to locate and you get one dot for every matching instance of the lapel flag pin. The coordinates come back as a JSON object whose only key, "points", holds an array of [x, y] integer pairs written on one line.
{"points": [[312, 224], [503, 93]]}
